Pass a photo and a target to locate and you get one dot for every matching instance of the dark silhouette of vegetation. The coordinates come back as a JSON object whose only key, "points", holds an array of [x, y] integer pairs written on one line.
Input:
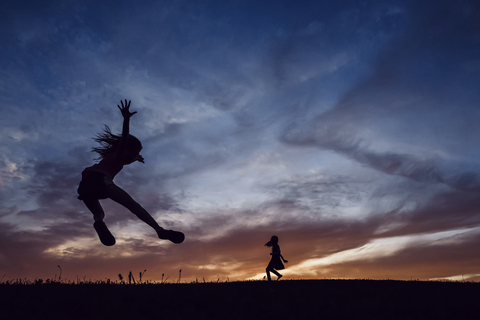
{"points": [[290, 299], [130, 278], [141, 275]]}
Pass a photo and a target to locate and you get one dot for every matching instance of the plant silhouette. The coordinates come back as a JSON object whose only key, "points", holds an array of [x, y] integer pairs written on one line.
{"points": [[276, 260], [115, 152]]}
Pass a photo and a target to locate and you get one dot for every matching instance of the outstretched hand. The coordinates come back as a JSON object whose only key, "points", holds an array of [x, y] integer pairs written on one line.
{"points": [[124, 109]]}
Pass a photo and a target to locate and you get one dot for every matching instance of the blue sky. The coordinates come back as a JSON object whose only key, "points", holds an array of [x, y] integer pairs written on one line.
{"points": [[350, 130]]}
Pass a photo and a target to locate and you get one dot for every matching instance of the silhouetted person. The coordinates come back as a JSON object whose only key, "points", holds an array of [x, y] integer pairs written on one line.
{"points": [[276, 260], [97, 181]]}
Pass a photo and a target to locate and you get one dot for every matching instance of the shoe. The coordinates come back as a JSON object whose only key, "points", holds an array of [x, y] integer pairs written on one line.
{"points": [[174, 236], [104, 234], [279, 277]]}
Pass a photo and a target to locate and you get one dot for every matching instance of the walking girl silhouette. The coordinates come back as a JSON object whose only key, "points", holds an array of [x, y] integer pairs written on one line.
{"points": [[115, 152], [276, 260]]}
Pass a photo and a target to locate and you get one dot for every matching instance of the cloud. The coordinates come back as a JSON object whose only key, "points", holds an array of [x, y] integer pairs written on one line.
{"points": [[418, 167], [400, 119], [423, 261]]}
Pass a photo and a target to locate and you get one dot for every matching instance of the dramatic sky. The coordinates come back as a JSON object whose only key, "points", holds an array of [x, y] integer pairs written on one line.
{"points": [[349, 129]]}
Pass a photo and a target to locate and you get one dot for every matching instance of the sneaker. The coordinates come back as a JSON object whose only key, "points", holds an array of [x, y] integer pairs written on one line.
{"points": [[104, 234], [279, 276], [174, 236]]}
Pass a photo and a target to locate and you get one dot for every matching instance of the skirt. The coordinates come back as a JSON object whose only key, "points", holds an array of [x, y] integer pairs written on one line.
{"points": [[276, 263]]}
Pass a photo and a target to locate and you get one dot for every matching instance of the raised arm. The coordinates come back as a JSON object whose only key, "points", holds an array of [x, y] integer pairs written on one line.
{"points": [[125, 110]]}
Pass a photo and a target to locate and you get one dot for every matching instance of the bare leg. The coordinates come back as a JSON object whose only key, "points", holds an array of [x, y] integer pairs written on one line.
{"points": [[104, 234], [95, 208], [118, 195], [274, 272]]}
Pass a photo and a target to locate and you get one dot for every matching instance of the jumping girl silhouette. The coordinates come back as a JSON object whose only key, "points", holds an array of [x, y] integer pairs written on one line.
{"points": [[275, 262], [115, 152]]}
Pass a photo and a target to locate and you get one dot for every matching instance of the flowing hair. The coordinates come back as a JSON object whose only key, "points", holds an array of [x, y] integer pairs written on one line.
{"points": [[273, 241], [109, 142]]}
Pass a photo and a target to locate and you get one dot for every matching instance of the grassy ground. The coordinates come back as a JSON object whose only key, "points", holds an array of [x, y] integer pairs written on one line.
{"points": [[291, 299]]}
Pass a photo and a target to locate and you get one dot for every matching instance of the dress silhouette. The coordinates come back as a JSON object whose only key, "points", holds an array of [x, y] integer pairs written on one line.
{"points": [[276, 260], [115, 152]]}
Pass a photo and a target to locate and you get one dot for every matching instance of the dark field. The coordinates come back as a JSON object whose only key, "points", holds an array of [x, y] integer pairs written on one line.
{"points": [[289, 299]]}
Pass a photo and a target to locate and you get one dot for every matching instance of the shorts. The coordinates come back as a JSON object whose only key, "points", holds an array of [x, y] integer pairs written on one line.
{"points": [[93, 186]]}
